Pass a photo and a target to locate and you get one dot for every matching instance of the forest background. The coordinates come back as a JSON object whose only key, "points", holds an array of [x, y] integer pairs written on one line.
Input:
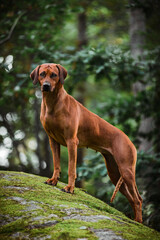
{"points": [[111, 50]]}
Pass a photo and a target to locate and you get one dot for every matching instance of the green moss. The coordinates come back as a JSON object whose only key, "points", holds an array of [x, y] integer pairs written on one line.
{"points": [[30, 207], [71, 228]]}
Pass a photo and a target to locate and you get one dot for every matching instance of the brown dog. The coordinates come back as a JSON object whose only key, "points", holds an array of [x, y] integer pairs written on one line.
{"points": [[70, 124]]}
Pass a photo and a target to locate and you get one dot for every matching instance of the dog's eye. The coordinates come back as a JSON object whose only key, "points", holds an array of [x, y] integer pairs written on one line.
{"points": [[53, 75], [43, 74]]}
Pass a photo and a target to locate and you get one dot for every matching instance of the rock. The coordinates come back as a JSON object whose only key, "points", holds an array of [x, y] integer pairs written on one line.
{"points": [[30, 209], [83, 227], [104, 234], [91, 218]]}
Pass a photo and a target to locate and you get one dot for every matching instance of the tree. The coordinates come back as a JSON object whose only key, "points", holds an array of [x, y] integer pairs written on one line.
{"points": [[137, 32], [82, 42]]}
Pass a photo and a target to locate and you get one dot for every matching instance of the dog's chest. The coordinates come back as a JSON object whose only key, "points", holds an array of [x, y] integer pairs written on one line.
{"points": [[53, 128], [50, 122]]}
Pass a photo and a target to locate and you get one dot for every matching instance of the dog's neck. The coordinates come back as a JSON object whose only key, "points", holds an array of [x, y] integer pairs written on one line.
{"points": [[53, 100]]}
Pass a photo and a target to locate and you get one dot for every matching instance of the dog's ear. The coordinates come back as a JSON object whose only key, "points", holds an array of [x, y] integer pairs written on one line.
{"points": [[62, 73], [34, 75]]}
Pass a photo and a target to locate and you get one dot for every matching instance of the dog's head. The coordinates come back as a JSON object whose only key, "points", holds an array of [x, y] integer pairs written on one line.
{"points": [[48, 75]]}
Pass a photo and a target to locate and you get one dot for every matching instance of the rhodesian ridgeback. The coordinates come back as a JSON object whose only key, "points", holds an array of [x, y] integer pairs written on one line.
{"points": [[70, 124]]}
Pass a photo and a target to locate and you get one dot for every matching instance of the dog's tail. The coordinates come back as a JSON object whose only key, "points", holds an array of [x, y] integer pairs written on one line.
{"points": [[118, 185]]}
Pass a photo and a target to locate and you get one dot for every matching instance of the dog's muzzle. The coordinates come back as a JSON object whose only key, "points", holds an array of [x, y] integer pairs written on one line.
{"points": [[46, 87]]}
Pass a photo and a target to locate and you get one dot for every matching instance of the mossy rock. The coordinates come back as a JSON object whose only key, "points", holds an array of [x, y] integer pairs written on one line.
{"points": [[30, 209]]}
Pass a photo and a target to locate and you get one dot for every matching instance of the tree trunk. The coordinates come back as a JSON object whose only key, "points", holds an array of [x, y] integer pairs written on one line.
{"points": [[82, 41], [48, 171], [137, 29], [82, 27], [43, 150], [156, 109], [37, 130]]}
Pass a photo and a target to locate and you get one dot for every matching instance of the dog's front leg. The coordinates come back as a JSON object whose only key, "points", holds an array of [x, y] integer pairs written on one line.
{"points": [[55, 147], [72, 154]]}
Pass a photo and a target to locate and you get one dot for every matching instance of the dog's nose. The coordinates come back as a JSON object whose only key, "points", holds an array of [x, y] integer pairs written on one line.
{"points": [[46, 87]]}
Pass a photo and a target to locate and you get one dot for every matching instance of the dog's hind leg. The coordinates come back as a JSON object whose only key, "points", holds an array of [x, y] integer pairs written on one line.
{"points": [[126, 162], [114, 175], [129, 180], [139, 196]]}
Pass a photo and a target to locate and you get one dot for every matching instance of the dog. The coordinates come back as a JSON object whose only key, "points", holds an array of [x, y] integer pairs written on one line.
{"points": [[70, 124]]}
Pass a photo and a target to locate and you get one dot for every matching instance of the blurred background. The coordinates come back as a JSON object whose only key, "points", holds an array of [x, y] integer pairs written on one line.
{"points": [[111, 50]]}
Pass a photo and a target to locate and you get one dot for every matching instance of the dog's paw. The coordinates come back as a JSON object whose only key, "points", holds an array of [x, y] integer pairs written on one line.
{"points": [[52, 181], [68, 189]]}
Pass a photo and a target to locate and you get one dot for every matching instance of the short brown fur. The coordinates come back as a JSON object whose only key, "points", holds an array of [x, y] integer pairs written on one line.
{"points": [[70, 124]]}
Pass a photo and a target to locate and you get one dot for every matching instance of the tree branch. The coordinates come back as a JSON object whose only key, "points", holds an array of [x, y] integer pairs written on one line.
{"points": [[12, 28]]}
